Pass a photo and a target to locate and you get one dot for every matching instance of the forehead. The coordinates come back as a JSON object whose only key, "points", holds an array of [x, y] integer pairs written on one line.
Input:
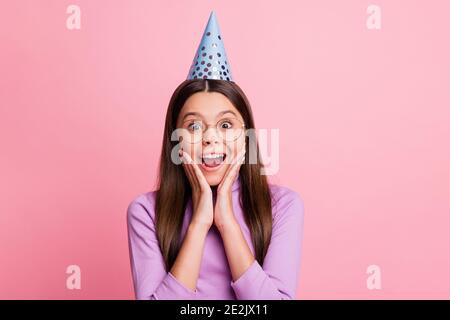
{"points": [[207, 105]]}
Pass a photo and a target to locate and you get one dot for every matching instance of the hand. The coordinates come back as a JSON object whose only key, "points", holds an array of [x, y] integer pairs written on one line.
{"points": [[223, 209], [202, 203]]}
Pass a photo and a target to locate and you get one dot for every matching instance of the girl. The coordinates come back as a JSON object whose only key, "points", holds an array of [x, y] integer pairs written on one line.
{"points": [[214, 228]]}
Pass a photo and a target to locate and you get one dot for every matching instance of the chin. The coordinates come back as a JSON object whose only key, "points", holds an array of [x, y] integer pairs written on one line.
{"points": [[213, 179]]}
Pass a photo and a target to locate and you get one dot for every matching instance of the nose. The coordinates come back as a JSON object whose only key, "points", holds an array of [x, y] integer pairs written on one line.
{"points": [[210, 136]]}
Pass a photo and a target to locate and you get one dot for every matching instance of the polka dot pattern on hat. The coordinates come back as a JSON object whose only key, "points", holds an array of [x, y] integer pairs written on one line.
{"points": [[211, 52]]}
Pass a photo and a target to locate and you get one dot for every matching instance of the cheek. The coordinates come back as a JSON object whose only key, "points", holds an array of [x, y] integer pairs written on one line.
{"points": [[192, 149], [235, 147]]}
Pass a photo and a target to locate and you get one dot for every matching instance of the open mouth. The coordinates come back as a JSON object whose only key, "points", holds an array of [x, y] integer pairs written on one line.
{"points": [[213, 160]]}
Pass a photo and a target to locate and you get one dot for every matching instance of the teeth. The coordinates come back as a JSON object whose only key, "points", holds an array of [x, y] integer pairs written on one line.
{"points": [[212, 156]]}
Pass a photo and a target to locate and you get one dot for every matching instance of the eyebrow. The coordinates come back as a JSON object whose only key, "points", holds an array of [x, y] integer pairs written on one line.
{"points": [[218, 115]]}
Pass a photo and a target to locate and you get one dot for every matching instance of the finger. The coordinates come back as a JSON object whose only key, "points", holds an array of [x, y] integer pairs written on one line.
{"points": [[198, 173], [238, 160], [233, 170], [200, 178], [188, 170], [188, 173]]}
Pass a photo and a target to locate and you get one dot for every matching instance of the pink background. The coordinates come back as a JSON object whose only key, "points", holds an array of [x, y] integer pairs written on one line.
{"points": [[364, 119]]}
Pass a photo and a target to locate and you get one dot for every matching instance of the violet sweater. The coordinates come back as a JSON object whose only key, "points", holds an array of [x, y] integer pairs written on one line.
{"points": [[277, 278]]}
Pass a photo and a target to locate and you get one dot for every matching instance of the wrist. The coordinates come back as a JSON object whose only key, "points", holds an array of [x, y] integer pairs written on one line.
{"points": [[228, 227], [198, 227]]}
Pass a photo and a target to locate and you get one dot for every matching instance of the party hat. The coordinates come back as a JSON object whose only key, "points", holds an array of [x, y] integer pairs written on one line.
{"points": [[210, 61]]}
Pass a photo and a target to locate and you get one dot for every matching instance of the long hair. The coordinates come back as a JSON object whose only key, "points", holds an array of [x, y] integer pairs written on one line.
{"points": [[174, 190]]}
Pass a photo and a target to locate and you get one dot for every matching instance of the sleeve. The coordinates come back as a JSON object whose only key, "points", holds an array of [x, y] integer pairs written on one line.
{"points": [[277, 279], [150, 279]]}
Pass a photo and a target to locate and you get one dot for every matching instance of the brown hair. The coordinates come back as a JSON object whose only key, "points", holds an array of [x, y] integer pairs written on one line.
{"points": [[174, 188]]}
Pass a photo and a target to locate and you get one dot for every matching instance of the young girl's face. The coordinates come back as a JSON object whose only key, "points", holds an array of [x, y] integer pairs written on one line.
{"points": [[213, 133]]}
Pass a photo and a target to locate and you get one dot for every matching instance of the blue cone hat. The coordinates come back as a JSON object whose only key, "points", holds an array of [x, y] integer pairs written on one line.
{"points": [[210, 61]]}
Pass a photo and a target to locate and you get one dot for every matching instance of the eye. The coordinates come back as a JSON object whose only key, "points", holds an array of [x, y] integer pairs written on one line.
{"points": [[226, 124], [195, 126]]}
